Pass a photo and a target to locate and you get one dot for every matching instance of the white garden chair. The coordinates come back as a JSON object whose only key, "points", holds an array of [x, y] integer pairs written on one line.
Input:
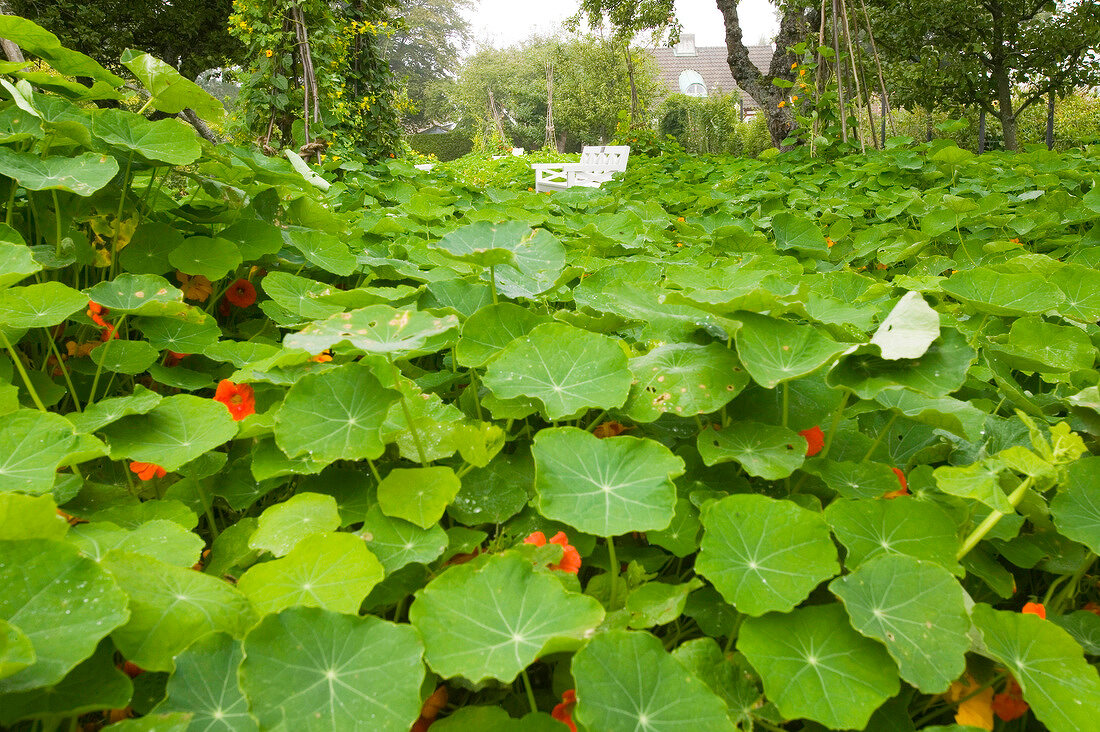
{"points": [[596, 166]]}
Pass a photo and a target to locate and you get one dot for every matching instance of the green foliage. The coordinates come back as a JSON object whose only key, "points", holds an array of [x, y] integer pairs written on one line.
{"points": [[786, 443], [424, 51], [446, 146], [712, 125]]}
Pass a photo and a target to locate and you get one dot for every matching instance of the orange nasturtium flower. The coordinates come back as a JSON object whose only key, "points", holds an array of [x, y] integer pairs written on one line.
{"points": [[815, 440], [794, 99], [239, 399], [96, 313], [563, 712], [171, 358], [148, 471], [1035, 608], [241, 293], [1010, 704], [794, 66], [323, 357], [904, 490], [610, 429], [195, 287], [433, 705], [782, 104], [570, 558], [680, 219], [977, 710], [829, 243], [79, 350], [269, 53]]}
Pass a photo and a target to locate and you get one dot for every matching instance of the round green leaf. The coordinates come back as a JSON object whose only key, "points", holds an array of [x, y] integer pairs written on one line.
{"points": [[917, 610], [397, 542], [683, 379], [490, 329], [95, 684], [282, 525], [1061, 687], [1000, 293], [335, 415], [797, 231], [105, 411], [331, 571], [16, 649], [213, 258], [160, 538], [83, 175], [310, 669], [124, 357], [418, 495], [485, 244], [605, 487], [16, 263], [1035, 345], [39, 306], [567, 369], [375, 329], [1076, 510], [190, 331], [909, 329], [204, 685], [815, 666], [164, 141], [539, 261], [63, 602], [30, 517], [903, 525], [854, 480], [1081, 288], [941, 370], [626, 682], [775, 350], [175, 432], [492, 619], [326, 251], [147, 252], [171, 607], [32, 445], [495, 493], [171, 92], [763, 554], [140, 294], [763, 450]]}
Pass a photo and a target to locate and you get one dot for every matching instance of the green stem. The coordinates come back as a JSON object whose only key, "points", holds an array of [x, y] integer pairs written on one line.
{"points": [[878, 440], [10, 214], [786, 401], [408, 414], [837, 416], [595, 422], [22, 371], [99, 367], [64, 371], [118, 215], [991, 520], [473, 386], [57, 221], [493, 283], [1059, 603], [614, 595], [374, 471], [530, 691], [733, 635], [207, 505], [146, 105]]}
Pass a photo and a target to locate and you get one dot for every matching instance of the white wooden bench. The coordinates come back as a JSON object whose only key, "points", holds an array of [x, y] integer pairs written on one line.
{"points": [[596, 166]]}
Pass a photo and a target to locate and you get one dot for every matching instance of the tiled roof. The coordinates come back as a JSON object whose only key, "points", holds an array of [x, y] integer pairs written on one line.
{"points": [[710, 62]]}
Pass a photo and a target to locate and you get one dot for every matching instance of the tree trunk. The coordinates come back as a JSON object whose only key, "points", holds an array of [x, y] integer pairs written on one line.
{"points": [[1003, 87], [792, 29], [633, 86], [1050, 121]]}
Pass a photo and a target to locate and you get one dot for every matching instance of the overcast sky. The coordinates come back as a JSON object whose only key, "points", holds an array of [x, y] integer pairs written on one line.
{"points": [[504, 22]]}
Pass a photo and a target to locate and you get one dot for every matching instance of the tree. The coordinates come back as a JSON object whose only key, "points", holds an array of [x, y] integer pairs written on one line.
{"points": [[192, 35], [1001, 56], [424, 50]]}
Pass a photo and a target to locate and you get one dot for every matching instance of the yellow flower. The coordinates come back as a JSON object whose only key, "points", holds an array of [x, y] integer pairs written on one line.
{"points": [[243, 24], [794, 99], [794, 66], [269, 53], [782, 104], [802, 72]]}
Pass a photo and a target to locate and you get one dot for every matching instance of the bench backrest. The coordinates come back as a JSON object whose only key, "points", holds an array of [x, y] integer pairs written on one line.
{"points": [[609, 157]]}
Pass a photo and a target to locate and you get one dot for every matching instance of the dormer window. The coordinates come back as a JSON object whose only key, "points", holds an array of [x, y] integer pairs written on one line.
{"points": [[686, 46], [692, 84]]}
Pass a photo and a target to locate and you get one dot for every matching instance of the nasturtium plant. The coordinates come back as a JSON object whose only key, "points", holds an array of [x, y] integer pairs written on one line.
{"points": [[303, 439]]}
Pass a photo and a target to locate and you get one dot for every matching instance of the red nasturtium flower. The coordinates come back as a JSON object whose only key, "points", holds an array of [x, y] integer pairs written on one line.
{"points": [[171, 358], [433, 705], [815, 440], [148, 471], [1010, 704], [1092, 607], [1035, 608], [570, 558], [904, 490], [241, 293], [195, 287], [610, 429], [563, 712], [238, 398], [96, 313]]}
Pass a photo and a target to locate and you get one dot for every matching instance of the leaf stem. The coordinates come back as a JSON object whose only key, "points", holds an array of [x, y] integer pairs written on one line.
{"points": [[786, 402], [99, 366], [493, 283], [878, 440], [22, 371], [64, 370], [57, 221], [408, 414], [837, 416], [530, 691], [614, 593], [991, 520]]}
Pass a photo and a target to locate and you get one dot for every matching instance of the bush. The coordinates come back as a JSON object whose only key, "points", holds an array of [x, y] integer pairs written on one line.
{"points": [[445, 146], [712, 125]]}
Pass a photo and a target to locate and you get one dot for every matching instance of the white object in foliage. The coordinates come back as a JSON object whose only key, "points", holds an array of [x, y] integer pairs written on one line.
{"points": [[909, 329], [597, 165]]}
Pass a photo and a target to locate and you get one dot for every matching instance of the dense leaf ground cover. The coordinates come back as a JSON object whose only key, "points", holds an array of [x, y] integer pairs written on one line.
{"points": [[782, 444]]}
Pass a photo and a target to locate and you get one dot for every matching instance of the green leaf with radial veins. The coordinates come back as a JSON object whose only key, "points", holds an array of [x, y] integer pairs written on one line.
{"points": [[796, 231], [1048, 664], [83, 175], [1076, 510], [763, 554], [941, 370], [312, 670], [112, 409], [540, 260], [32, 445], [64, 603], [903, 525], [335, 415], [171, 92], [213, 258], [627, 681], [490, 329], [978, 482], [1035, 345], [138, 294], [165, 141], [334, 571], [173, 433], [683, 379], [1000, 293], [567, 369], [815, 666], [491, 619], [917, 610], [33, 38], [30, 517], [397, 542], [171, 607], [775, 350], [158, 538], [39, 306], [204, 684], [282, 525], [1081, 288], [16, 263], [375, 329], [485, 244], [192, 331], [605, 487], [124, 357], [763, 450], [418, 495]]}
